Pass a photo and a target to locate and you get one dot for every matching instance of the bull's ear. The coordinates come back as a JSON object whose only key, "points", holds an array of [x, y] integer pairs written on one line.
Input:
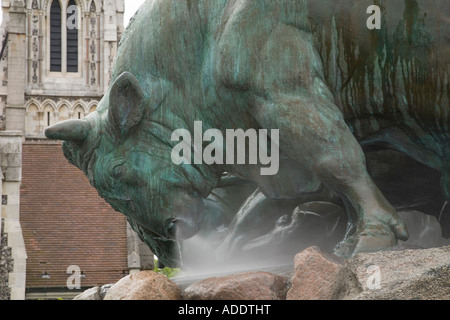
{"points": [[126, 103]]}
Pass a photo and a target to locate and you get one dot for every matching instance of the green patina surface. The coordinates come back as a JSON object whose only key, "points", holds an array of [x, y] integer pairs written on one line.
{"points": [[308, 68]]}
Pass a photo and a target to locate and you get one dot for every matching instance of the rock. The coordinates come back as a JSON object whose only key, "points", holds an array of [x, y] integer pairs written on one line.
{"points": [[321, 276], [405, 272], [90, 294], [409, 274], [104, 290], [424, 230], [244, 286], [95, 293], [144, 285]]}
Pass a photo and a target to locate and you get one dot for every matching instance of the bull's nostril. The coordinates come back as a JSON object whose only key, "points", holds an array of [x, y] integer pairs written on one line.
{"points": [[171, 228], [180, 229]]}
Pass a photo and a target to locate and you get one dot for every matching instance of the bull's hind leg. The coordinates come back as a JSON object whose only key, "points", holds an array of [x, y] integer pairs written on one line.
{"points": [[313, 133]]}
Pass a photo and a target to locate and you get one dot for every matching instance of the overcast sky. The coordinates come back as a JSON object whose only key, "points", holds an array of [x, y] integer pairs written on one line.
{"points": [[130, 8]]}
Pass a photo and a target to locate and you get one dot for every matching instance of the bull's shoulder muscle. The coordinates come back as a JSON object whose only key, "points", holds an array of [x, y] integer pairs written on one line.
{"points": [[246, 29]]}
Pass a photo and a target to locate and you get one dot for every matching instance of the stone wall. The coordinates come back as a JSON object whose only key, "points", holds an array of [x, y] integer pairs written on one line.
{"points": [[3, 71], [6, 265], [11, 168]]}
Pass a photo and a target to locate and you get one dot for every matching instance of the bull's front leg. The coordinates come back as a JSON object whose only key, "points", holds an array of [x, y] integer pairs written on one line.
{"points": [[290, 95], [313, 133]]}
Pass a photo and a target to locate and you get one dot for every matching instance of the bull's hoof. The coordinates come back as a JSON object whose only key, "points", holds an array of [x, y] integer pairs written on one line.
{"points": [[371, 239]]}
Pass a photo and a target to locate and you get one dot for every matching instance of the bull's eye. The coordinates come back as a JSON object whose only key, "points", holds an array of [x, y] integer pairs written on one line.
{"points": [[119, 171]]}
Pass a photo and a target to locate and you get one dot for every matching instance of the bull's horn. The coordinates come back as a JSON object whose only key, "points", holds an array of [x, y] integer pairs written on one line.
{"points": [[70, 130]]}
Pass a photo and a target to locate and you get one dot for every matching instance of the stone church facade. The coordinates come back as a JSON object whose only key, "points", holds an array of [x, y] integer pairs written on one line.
{"points": [[55, 64]]}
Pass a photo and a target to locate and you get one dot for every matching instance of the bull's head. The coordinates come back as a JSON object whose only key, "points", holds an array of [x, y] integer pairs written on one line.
{"points": [[131, 168]]}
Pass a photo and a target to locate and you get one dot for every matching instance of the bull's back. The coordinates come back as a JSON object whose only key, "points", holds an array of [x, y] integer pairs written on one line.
{"points": [[397, 74]]}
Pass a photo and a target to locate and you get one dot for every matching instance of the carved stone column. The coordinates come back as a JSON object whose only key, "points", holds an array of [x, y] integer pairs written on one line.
{"points": [[11, 153], [139, 255], [17, 63]]}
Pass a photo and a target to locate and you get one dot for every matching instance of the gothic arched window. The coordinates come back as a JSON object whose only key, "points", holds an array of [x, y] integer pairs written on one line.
{"points": [[64, 37], [55, 37], [72, 40]]}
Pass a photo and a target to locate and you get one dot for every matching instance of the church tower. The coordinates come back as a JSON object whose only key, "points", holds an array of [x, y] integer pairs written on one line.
{"points": [[56, 60]]}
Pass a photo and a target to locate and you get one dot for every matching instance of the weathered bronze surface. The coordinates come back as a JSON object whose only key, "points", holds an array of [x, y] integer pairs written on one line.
{"points": [[311, 69]]}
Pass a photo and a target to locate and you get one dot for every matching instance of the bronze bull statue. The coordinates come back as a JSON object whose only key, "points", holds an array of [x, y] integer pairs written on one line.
{"points": [[311, 69]]}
